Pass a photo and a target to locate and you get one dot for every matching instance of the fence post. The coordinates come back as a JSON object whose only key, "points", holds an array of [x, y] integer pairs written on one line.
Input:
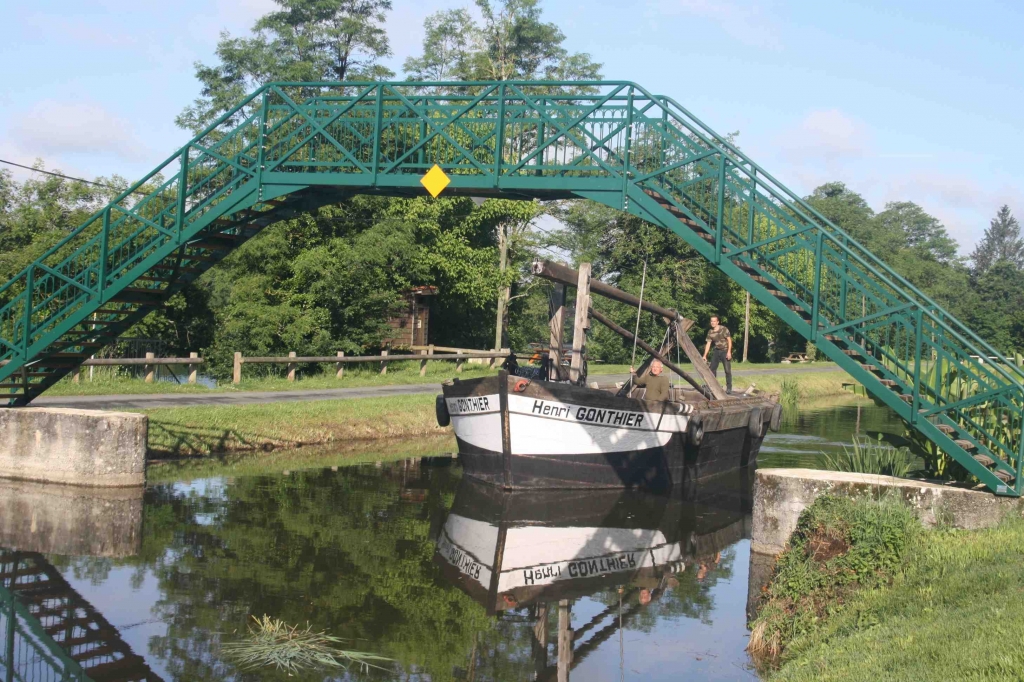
{"points": [[340, 366], [76, 375], [193, 370], [383, 363], [148, 369], [291, 367], [458, 363], [236, 377], [423, 364]]}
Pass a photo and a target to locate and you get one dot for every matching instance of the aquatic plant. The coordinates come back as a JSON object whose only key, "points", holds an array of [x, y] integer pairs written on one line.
{"points": [[866, 456], [790, 392], [273, 643]]}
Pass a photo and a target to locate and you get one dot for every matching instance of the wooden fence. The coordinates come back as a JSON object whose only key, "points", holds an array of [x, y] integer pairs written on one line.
{"points": [[149, 364], [426, 354]]}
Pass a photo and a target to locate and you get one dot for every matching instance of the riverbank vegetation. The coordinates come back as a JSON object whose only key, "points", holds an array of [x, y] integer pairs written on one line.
{"points": [[863, 592], [204, 429]]}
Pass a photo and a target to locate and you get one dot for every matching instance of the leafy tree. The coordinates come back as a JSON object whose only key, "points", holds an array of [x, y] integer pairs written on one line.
{"points": [[1002, 242], [446, 47], [305, 40], [511, 43]]}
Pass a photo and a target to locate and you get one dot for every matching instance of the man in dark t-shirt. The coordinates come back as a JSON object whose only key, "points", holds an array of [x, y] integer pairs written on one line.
{"points": [[655, 382], [721, 339]]}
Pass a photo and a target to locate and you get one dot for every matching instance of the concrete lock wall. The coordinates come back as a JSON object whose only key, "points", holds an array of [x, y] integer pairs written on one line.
{"points": [[70, 520], [80, 447], [780, 495]]}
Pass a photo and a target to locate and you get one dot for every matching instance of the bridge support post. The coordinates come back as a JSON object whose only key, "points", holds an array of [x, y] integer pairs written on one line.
{"points": [[149, 369], [76, 375], [236, 372], [291, 367], [193, 370], [340, 366]]}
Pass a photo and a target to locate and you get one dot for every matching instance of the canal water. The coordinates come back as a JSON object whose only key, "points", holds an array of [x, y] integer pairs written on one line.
{"points": [[409, 560]]}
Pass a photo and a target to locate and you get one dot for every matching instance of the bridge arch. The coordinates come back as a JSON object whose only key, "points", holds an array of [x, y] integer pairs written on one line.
{"points": [[291, 147]]}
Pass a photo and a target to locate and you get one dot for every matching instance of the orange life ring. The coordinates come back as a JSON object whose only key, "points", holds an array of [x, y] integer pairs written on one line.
{"points": [[521, 385]]}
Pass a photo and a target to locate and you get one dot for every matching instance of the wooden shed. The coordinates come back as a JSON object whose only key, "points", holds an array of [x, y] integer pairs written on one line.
{"points": [[411, 327]]}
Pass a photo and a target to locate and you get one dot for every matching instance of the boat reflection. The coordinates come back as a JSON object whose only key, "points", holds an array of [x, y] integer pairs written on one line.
{"points": [[537, 551]]}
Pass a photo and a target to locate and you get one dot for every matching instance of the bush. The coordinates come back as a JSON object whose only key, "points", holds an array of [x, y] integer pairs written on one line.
{"points": [[840, 545]]}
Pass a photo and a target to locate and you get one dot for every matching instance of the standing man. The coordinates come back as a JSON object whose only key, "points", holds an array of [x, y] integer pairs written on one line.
{"points": [[722, 340]]}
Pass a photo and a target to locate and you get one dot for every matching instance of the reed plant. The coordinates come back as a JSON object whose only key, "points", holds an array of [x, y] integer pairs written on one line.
{"points": [[867, 456], [272, 643]]}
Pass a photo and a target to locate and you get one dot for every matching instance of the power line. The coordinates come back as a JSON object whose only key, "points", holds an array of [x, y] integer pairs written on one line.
{"points": [[66, 177]]}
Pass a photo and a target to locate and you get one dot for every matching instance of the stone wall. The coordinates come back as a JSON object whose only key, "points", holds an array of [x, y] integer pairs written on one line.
{"points": [[80, 447], [781, 494]]}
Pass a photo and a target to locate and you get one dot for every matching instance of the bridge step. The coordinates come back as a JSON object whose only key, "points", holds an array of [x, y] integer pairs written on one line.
{"points": [[946, 429], [966, 445], [1003, 475], [888, 383], [985, 460]]}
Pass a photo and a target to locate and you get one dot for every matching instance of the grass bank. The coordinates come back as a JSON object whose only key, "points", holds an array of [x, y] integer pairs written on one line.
{"points": [[285, 461], [864, 593], [106, 382], [204, 430]]}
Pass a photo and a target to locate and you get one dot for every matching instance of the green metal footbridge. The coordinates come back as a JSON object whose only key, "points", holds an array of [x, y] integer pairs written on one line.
{"points": [[291, 147]]}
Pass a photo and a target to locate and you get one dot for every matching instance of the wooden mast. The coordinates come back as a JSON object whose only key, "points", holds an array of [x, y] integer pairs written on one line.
{"points": [[562, 274], [556, 307], [582, 323]]}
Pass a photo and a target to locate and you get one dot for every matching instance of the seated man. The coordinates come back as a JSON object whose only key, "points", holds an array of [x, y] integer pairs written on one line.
{"points": [[655, 382]]}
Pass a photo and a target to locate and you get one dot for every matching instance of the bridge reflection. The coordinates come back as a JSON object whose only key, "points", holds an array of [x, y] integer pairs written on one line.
{"points": [[48, 630]]}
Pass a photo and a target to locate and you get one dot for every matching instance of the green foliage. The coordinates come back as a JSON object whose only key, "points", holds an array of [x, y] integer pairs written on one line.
{"points": [[305, 40], [511, 43], [866, 456], [839, 545], [943, 618], [1002, 242]]}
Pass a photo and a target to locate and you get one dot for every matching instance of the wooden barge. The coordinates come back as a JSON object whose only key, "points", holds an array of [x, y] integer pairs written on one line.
{"points": [[561, 432]]}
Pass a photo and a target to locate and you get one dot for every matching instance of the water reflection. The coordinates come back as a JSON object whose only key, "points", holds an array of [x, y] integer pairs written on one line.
{"points": [[623, 586], [533, 554]]}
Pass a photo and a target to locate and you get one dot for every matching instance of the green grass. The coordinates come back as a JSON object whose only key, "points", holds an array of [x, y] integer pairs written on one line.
{"points": [[202, 430], [904, 604], [365, 375], [356, 376], [283, 461]]}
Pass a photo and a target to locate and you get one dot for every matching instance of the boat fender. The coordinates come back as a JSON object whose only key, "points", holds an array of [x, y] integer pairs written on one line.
{"points": [[755, 426], [695, 431], [441, 409], [521, 385], [776, 421]]}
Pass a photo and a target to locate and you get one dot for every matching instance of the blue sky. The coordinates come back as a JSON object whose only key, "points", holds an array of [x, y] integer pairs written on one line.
{"points": [[901, 99]]}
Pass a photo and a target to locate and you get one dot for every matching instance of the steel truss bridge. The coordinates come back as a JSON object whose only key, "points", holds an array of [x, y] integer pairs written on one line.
{"points": [[292, 147]]}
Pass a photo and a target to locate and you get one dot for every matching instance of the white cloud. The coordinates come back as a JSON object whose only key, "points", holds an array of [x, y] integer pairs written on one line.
{"points": [[747, 21], [829, 136], [54, 128]]}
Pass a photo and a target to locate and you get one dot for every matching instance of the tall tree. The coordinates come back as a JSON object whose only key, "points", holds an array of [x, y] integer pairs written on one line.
{"points": [[511, 43], [1002, 242], [447, 45], [305, 40]]}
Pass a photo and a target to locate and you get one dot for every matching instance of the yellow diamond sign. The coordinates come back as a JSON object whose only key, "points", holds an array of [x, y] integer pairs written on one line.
{"points": [[435, 180]]}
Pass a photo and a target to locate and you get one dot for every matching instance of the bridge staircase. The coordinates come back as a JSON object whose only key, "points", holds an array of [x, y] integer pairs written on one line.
{"points": [[291, 147]]}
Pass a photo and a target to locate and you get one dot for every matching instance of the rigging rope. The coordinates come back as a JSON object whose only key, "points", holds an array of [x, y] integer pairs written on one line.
{"points": [[639, 308]]}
